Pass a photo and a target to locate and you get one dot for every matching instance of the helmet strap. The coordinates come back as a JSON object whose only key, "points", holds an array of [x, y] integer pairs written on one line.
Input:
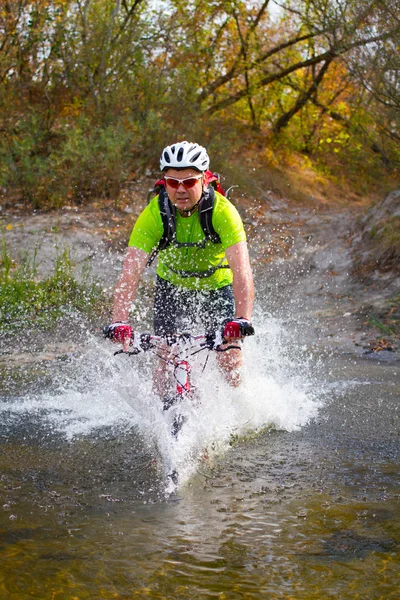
{"points": [[189, 212]]}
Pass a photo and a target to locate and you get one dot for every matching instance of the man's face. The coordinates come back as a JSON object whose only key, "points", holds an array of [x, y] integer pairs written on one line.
{"points": [[183, 197]]}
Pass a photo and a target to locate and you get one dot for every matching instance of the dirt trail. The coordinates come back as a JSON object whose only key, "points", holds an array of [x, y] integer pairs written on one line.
{"points": [[302, 259]]}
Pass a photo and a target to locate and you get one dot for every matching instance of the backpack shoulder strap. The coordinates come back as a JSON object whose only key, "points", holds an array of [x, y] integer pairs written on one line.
{"points": [[168, 217], [205, 214]]}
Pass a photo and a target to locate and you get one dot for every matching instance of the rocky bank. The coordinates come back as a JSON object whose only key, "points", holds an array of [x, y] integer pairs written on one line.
{"points": [[316, 267]]}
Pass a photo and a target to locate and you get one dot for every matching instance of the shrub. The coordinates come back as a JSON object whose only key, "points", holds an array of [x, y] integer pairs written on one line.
{"points": [[26, 301]]}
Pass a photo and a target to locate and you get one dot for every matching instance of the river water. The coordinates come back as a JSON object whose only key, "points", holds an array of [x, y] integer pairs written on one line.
{"points": [[289, 486]]}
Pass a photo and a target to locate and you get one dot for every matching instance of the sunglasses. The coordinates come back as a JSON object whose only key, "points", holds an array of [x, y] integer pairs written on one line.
{"points": [[188, 183]]}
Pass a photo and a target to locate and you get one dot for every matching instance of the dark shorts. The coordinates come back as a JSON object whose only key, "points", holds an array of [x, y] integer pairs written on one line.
{"points": [[177, 309]]}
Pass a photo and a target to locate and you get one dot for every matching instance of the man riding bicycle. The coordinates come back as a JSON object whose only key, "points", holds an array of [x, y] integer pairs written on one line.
{"points": [[200, 278]]}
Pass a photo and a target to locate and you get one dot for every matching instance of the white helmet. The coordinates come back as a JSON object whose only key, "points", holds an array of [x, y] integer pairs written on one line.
{"points": [[183, 155]]}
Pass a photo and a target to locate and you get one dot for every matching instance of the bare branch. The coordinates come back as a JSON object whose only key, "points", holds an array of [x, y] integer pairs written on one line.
{"points": [[259, 16], [303, 98], [106, 44], [270, 79], [125, 22], [244, 45], [332, 53], [214, 85]]}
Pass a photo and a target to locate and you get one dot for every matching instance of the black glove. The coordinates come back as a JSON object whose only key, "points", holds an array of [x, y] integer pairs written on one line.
{"points": [[237, 328]]}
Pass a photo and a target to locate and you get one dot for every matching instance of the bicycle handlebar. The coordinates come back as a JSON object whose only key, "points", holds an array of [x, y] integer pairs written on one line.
{"points": [[143, 342]]}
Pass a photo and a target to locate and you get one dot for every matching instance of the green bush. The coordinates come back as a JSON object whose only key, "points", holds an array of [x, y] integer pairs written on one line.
{"points": [[81, 160], [26, 301], [24, 159], [89, 161]]}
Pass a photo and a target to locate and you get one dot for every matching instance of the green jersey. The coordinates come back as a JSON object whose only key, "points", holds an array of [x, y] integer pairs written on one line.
{"points": [[174, 260]]}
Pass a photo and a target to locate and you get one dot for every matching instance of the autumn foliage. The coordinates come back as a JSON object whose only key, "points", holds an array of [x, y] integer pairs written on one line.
{"points": [[91, 90]]}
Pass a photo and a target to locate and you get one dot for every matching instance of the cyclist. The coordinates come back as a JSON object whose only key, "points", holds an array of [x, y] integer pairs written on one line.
{"points": [[197, 279]]}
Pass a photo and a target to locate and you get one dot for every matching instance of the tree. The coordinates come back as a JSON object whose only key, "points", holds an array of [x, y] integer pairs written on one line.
{"points": [[92, 89]]}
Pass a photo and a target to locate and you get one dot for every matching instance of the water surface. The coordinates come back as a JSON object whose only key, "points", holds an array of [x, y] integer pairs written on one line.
{"points": [[299, 497]]}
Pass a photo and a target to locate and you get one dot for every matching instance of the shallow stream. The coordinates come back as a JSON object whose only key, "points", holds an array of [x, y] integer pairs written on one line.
{"points": [[289, 486]]}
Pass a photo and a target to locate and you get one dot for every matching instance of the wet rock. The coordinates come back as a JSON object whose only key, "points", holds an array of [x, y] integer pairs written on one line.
{"points": [[377, 242], [348, 544]]}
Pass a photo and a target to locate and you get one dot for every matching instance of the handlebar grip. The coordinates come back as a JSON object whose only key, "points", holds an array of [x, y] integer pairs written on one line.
{"points": [[145, 341]]}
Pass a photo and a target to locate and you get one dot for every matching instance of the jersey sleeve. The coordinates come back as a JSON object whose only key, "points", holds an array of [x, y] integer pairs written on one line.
{"points": [[148, 229], [227, 222]]}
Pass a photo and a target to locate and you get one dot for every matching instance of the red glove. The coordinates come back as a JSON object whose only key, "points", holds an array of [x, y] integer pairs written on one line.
{"points": [[238, 328], [118, 331]]}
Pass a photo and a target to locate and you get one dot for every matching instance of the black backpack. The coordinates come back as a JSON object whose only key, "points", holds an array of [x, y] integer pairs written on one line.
{"points": [[168, 216]]}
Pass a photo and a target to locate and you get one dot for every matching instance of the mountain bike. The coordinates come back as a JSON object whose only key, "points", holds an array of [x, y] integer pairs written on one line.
{"points": [[177, 351]]}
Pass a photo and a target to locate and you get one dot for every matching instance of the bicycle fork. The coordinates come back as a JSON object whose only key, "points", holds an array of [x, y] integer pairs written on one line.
{"points": [[182, 376]]}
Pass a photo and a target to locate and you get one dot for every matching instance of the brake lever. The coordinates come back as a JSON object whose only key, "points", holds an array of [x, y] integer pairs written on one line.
{"points": [[128, 352], [230, 347]]}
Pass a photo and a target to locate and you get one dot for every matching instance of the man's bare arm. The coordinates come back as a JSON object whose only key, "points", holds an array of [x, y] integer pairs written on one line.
{"points": [[125, 290], [243, 285]]}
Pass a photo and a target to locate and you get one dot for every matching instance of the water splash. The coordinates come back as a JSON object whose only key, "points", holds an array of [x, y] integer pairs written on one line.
{"points": [[98, 390]]}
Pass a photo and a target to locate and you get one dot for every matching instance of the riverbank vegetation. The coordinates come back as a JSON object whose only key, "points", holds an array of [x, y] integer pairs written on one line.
{"points": [[91, 91], [42, 302]]}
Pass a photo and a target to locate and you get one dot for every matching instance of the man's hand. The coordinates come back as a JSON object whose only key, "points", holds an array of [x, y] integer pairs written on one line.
{"points": [[119, 332], [237, 328]]}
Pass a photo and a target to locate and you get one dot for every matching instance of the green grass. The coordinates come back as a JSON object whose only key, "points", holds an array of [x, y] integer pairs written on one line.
{"points": [[384, 328], [389, 322], [26, 301]]}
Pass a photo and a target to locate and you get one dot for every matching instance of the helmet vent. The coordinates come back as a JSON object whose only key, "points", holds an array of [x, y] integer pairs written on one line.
{"points": [[195, 157], [180, 154], [166, 157]]}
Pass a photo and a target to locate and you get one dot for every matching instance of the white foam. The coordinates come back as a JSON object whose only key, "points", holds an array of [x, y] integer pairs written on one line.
{"points": [[101, 390]]}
